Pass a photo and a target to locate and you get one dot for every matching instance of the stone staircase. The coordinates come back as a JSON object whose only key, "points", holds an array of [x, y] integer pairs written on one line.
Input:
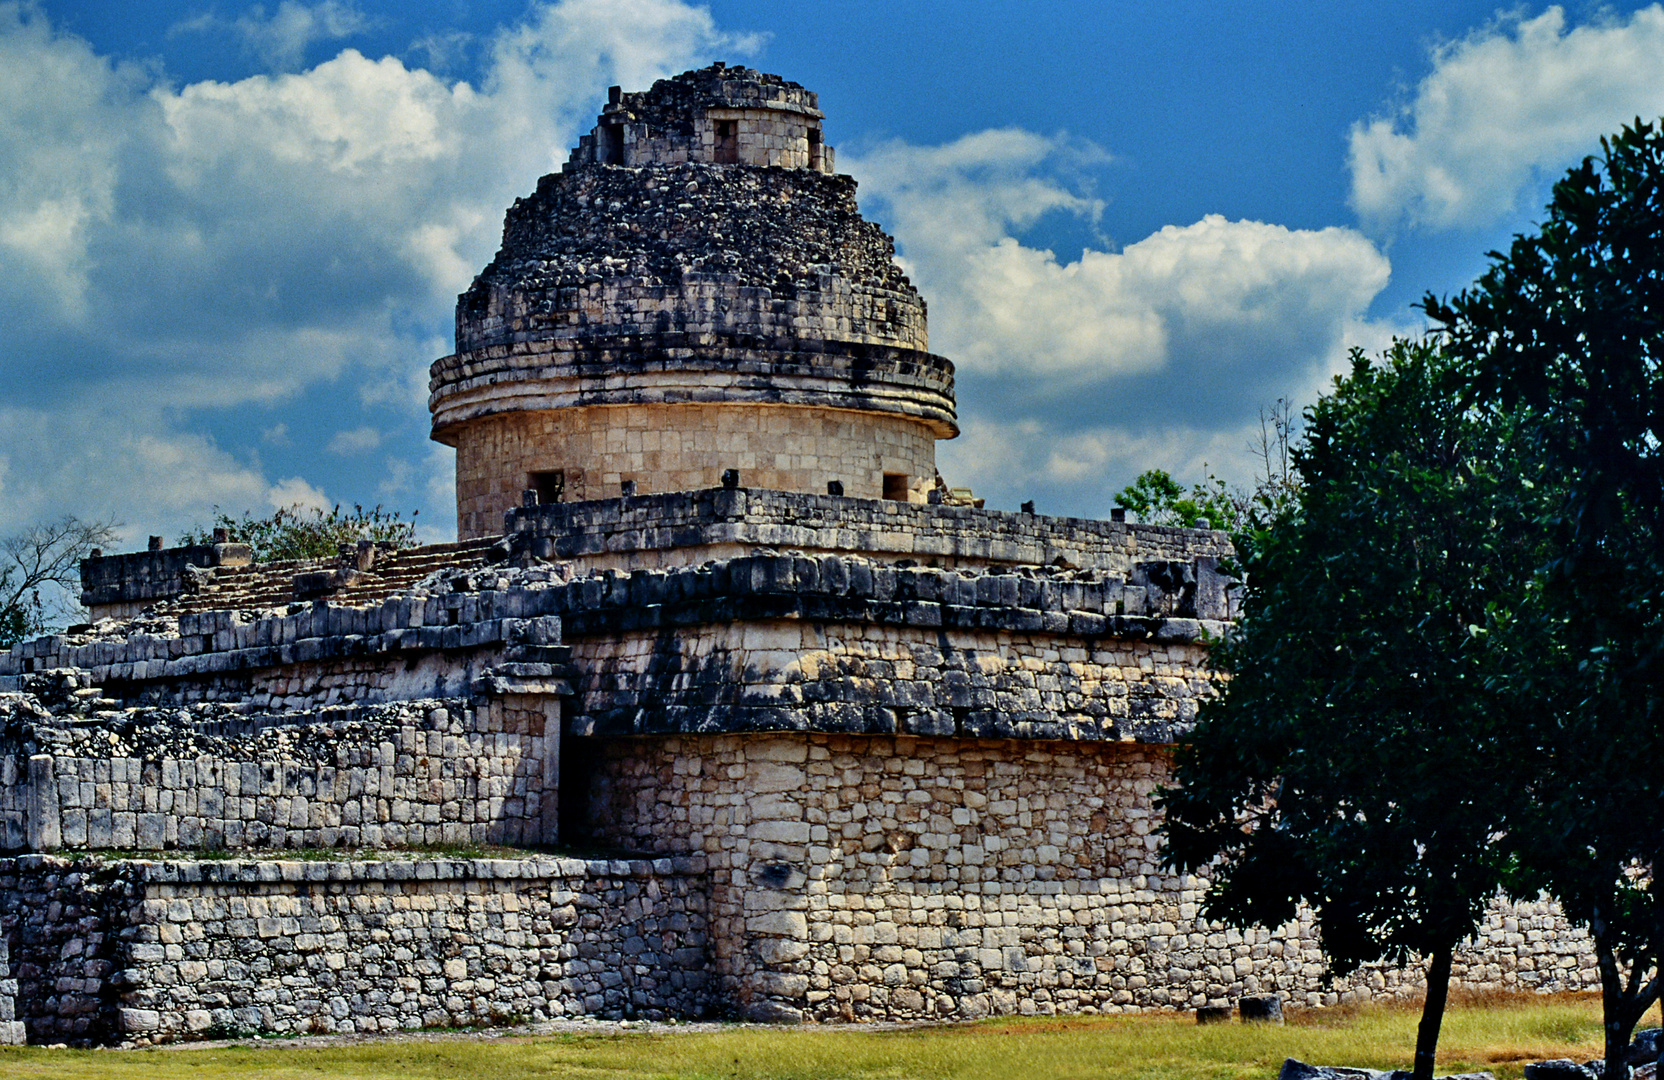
{"points": [[272, 585]]}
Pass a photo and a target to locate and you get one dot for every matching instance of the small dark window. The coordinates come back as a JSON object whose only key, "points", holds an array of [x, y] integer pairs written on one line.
{"points": [[727, 142], [814, 149], [550, 486], [612, 145], [895, 486]]}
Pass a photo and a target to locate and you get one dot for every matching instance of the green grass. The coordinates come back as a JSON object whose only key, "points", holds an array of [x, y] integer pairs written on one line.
{"points": [[1500, 1034]]}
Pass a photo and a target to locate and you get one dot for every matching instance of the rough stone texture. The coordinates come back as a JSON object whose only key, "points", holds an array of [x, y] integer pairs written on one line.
{"points": [[684, 234], [115, 586], [686, 528], [895, 759], [894, 878], [866, 677], [743, 282], [775, 122], [404, 774], [151, 951]]}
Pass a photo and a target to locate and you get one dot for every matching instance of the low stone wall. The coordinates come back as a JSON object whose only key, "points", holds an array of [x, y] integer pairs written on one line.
{"points": [[692, 527], [905, 878], [409, 647], [151, 951], [117, 586], [402, 774]]}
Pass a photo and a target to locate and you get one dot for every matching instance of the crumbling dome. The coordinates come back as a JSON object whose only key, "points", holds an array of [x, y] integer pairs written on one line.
{"points": [[695, 292]]}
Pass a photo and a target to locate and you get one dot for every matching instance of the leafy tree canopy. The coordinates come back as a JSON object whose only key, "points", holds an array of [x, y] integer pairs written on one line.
{"points": [[303, 532], [1354, 760], [1570, 321], [1158, 499]]}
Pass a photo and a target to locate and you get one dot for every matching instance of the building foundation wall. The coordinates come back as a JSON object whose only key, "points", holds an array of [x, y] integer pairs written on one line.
{"points": [[131, 951], [867, 878]]}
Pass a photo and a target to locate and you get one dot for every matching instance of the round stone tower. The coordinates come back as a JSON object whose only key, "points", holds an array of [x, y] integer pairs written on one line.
{"points": [[694, 292]]}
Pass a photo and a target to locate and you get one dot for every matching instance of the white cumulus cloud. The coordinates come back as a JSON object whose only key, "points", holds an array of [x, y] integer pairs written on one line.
{"points": [[1159, 354], [1503, 109], [171, 252]]}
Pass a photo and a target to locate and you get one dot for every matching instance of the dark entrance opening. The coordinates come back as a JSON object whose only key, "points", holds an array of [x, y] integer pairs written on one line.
{"points": [[727, 142], [550, 486], [814, 149], [580, 757], [612, 145], [895, 486]]}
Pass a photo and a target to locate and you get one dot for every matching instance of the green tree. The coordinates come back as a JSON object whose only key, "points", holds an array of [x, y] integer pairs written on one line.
{"points": [[40, 575], [1570, 322], [302, 532], [1158, 499], [1354, 760]]}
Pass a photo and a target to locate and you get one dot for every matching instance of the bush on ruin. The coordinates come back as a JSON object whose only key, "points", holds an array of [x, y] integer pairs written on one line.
{"points": [[308, 532]]}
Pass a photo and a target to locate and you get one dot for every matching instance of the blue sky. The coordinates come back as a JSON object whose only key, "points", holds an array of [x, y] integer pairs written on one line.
{"points": [[231, 235]]}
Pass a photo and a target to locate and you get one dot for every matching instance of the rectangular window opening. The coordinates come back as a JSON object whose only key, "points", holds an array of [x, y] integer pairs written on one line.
{"points": [[895, 486], [814, 149], [550, 486], [612, 147], [727, 142]]}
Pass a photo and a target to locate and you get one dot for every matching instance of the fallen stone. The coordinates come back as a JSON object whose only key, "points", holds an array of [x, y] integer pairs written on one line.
{"points": [[1560, 1069], [1261, 1009], [1299, 1070]]}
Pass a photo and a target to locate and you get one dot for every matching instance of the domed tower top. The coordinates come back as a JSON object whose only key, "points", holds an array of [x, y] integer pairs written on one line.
{"points": [[719, 115], [695, 292]]}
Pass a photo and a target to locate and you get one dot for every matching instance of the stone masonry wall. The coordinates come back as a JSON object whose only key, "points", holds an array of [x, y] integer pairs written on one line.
{"points": [[864, 877], [685, 528], [147, 952], [665, 448], [319, 655], [857, 677], [674, 121], [404, 774]]}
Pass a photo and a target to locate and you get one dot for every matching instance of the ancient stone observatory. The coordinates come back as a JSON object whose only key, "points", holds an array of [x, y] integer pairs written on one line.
{"points": [[742, 748], [695, 292]]}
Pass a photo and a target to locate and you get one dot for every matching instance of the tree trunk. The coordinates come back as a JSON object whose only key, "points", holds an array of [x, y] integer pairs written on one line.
{"points": [[1613, 1000], [1432, 1012]]}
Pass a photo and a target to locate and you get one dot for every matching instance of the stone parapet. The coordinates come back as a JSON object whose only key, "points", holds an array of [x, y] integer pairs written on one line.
{"points": [[121, 585], [681, 528], [207, 645]]}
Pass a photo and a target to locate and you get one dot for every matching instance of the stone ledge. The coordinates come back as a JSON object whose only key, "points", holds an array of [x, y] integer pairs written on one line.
{"points": [[294, 871]]}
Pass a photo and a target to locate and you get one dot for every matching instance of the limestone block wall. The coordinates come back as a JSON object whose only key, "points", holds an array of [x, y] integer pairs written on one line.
{"points": [[118, 586], [676, 121], [152, 951], [407, 647], [803, 674], [863, 877], [404, 774], [669, 448], [687, 528]]}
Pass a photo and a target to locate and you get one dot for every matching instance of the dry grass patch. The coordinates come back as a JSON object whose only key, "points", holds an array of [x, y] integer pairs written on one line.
{"points": [[1498, 1033]]}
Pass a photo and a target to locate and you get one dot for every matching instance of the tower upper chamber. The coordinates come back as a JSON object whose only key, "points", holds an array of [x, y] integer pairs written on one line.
{"points": [[696, 291]]}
